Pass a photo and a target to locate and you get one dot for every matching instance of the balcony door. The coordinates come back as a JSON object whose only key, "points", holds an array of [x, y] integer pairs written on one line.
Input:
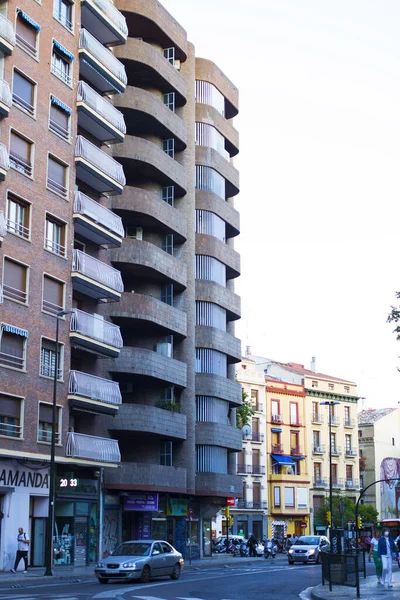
{"points": [[256, 495]]}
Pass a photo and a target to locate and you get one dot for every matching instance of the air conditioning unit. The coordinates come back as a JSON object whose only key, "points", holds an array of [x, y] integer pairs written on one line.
{"points": [[134, 233], [177, 64]]}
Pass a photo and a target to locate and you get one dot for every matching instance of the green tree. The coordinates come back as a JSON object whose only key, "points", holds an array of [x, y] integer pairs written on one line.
{"points": [[368, 513], [245, 411], [394, 317]]}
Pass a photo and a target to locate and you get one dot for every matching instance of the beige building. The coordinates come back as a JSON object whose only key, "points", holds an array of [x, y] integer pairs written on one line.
{"points": [[379, 433]]}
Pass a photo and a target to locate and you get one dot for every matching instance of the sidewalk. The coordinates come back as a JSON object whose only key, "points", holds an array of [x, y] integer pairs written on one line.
{"points": [[369, 589]]}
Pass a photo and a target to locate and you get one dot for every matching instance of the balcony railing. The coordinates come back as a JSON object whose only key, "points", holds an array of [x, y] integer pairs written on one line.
{"points": [[113, 14], [276, 449], [350, 452], [352, 483], [101, 106], [63, 18], [95, 388], [317, 419], [241, 468], [95, 269], [336, 451], [18, 163], [320, 482], [295, 450], [84, 205], [255, 505], [88, 42], [318, 449], [4, 158], [9, 430], [45, 435], [276, 418], [5, 93], [349, 422], [257, 469], [7, 30], [99, 159], [337, 483], [335, 421], [96, 328], [3, 224], [257, 437], [258, 407], [91, 447]]}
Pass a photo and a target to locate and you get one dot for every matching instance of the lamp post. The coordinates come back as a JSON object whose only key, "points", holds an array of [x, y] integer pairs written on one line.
{"points": [[330, 403], [50, 519]]}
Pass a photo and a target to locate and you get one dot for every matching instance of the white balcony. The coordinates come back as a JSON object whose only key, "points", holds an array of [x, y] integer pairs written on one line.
{"points": [[97, 169], [92, 393], [95, 335], [7, 36], [92, 448], [96, 223], [5, 98], [99, 66], [4, 161], [95, 278], [3, 226], [98, 117], [104, 21]]}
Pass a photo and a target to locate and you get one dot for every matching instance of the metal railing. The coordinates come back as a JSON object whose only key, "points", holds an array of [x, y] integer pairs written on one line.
{"points": [[18, 229], [62, 73], [337, 483], [320, 482], [25, 45], [113, 14], [13, 293], [255, 505], [99, 159], [317, 419], [4, 158], [63, 19], [336, 451], [59, 129], [335, 421], [352, 483], [10, 430], [257, 437], [18, 163], [55, 247], [318, 449], [295, 450], [96, 328], [240, 468], [95, 388], [349, 422], [3, 224], [50, 307], [257, 469], [10, 360], [5, 93], [45, 435], [101, 106], [277, 449], [7, 30], [88, 42], [350, 452], [91, 447], [96, 269], [56, 187], [83, 205], [258, 407]]}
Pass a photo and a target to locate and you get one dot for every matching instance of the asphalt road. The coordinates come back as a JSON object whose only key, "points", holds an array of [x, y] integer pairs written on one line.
{"points": [[266, 580]]}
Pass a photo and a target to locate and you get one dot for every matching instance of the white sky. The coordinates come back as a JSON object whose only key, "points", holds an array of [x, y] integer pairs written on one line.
{"points": [[319, 126]]}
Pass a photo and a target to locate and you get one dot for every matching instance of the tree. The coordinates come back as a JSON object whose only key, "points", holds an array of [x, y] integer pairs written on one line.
{"points": [[394, 317], [367, 512], [244, 412]]}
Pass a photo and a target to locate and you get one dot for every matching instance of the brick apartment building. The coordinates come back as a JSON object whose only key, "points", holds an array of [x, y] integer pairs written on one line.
{"points": [[116, 203]]}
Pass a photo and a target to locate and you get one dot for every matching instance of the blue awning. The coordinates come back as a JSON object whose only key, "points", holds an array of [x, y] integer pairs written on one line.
{"points": [[58, 102], [276, 430], [298, 457], [61, 48], [282, 460], [85, 62], [29, 20], [16, 330]]}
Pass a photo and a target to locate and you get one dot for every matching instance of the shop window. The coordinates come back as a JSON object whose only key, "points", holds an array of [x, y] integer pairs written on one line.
{"points": [[53, 295], [45, 428], [10, 416], [15, 281]]}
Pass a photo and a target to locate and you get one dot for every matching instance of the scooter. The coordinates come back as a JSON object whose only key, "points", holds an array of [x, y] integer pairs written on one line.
{"points": [[270, 549], [244, 550]]}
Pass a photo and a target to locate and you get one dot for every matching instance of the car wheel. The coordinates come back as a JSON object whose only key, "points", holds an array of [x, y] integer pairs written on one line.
{"points": [[176, 571], [103, 580], [145, 576], [291, 562]]}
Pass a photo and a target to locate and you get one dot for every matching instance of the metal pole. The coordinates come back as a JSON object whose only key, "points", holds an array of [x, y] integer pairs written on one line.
{"points": [[330, 473], [190, 541]]}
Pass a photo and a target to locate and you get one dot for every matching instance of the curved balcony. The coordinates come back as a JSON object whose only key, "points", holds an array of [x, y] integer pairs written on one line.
{"points": [[148, 420], [210, 337], [104, 21], [208, 114], [218, 484], [208, 291], [97, 169], [148, 314], [92, 448], [4, 162], [144, 259], [95, 278], [208, 157], [146, 477], [98, 117], [150, 20], [144, 160], [5, 98], [216, 434], [95, 222], [147, 363], [7, 36], [93, 394], [151, 211], [146, 66], [146, 114], [99, 66], [211, 246], [218, 387], [206, 70], [93, 334], [206, 200]]}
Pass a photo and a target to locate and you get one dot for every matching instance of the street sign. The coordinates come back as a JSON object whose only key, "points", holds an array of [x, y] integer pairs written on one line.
{"points": [[230, 501], [303, 525], [190, 514]]}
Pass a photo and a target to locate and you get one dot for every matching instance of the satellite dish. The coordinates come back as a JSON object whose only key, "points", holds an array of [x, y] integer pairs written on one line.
{"points": [[246, 430]]}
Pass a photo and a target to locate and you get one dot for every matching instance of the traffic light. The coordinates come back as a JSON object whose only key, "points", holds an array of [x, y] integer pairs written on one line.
{"points": [[359, 522], [329, 518], [227, 512]]}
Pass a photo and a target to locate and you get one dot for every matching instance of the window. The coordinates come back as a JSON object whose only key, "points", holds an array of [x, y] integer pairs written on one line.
{"points": [[294, 418], [211, 361], [210, 180], [348, 444], [209, 268], [15, 281], [169, 100], [54, 239], [60, 116], [316, 441], [48, 359], [168, 194], [169, 54], [21, 154], [169, 147], [45, 429], [294, 442], [57, 177], [53, 295], [334, 472], [23, 94], [317, 472], [333, 443], [62, 11], [165, 346], [347, 419], [209, 223], [347, 389], [277, 496], [166, 454], [12, 347], [314, 384], [289, 497], [10, 416], [349, 474], [61, 63], [275, 414], [302, 498], [315, 412], [331, 386], [18, 216], [26, 34], [168, 244], [167, 294], [209, 314]]}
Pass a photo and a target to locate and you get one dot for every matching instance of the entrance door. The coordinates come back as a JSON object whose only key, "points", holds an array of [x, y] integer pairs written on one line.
{"points": [[297, 528], [38, 541], [81, 541]]}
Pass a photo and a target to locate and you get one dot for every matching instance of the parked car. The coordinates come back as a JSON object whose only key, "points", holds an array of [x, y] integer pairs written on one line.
{"points": [[308, 549], [140, 559]]}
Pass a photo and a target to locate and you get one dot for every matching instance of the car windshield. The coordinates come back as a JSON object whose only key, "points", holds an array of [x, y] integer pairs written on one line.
{"points": [[133, 549], [307, 540]]}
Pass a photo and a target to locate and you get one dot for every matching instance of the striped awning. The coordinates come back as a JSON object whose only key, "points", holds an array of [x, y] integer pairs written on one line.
{"points": [[16, 330], [58, 102], [61, 48], [28, 19]]}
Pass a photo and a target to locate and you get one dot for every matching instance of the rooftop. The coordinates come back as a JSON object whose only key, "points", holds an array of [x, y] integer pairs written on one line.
{"points": [[371, 415]]}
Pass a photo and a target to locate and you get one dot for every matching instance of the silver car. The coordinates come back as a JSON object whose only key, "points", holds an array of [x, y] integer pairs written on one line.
{"points": [[140, 559], [308, 549]]}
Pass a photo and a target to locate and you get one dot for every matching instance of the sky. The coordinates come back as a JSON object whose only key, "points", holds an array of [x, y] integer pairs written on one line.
{"points": [[319, 124]]}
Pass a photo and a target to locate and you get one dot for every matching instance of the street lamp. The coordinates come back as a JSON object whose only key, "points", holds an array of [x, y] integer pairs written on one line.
{"points": [[330, 403], [49, 558]]}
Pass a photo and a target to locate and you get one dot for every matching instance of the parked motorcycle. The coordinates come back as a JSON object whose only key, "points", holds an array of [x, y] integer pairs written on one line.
{"points": [[244, 549], [270, 549]]}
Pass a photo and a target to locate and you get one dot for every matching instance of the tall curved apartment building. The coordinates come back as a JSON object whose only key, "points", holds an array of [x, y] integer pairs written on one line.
{"points": [[117, 224]]}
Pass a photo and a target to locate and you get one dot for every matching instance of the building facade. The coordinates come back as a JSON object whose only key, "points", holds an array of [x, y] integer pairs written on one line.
{"points": [[117, 206]]}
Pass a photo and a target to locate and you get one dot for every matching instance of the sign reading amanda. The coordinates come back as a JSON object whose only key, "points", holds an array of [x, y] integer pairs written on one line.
{"points": [[21, 478]]}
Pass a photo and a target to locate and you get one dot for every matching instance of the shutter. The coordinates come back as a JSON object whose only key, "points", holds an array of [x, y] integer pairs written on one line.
{"points": [[20, 147], [53, 292], [45, 413], [26, 32], [59, 116], [256, 492], [23, 88], [9, 407], [56, 171], [14, 275], [12, 344]]}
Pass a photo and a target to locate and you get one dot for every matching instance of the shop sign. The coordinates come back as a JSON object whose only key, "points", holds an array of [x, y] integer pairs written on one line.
{"points": [[176, 507], [68, 484], [34, 479], [141, 502]]}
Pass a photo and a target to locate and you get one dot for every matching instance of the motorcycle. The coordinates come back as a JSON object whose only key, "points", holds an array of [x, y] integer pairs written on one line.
{"points": [[244, 550], [270, 549]]}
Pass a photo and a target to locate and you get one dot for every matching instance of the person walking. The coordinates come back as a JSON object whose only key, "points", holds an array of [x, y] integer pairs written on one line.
{"points": [[386, 548], [252, 543], [373, 551], [22, 550]]}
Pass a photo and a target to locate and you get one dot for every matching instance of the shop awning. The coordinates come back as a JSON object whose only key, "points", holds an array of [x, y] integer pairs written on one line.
{"points": [[298, 457], [282, 460]]}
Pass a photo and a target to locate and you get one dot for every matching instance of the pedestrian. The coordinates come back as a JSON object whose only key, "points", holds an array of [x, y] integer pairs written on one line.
{"points": [[288, 542], [386, 548], [367, 542], [252, 544], [22, 550], [373, 551]]}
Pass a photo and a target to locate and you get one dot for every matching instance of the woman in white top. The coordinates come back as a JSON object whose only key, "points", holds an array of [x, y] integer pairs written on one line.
{"points": [[374, 552]]}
